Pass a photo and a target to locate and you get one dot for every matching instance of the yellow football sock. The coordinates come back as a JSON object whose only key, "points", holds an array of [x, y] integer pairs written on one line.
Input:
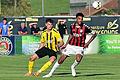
{"points": [[45, 66], [30, 66]]}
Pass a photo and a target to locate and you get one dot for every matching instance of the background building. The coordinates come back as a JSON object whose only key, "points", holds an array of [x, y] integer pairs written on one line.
{"points": [[107, 7]]}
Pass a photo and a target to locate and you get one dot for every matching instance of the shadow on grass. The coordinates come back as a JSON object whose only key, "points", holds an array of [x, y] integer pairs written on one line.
{"points": [[97, 74], [65, 73], [79, 74]]}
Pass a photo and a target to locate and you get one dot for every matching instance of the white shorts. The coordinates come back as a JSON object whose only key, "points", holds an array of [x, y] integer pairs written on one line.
{"points": [[71, 49]]}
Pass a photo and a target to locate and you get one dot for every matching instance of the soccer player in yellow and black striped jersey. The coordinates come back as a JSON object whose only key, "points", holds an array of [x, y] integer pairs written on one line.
{"points": [[50, 43]]}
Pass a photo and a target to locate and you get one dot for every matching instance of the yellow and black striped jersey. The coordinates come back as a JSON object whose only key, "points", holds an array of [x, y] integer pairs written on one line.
{"points": [[51, 39]]}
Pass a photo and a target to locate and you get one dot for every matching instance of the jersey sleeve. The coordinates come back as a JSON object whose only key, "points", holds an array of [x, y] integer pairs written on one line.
{"points": [[58, 37], [42, 38]]}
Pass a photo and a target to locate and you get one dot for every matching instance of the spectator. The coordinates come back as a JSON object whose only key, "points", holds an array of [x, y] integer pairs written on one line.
{"points": [[34, 29], [22, 30], [4, 28], [61, 27]]}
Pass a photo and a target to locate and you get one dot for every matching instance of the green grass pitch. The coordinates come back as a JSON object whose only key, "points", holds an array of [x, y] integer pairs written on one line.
{"points": [[50, 6], [92, 67]]}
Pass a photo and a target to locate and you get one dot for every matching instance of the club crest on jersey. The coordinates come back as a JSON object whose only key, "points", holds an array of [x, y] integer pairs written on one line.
{"points": [[6, 46], [77, 35]]}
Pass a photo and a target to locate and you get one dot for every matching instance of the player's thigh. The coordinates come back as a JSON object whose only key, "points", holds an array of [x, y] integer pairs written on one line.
{"points": [[68, 50], [33, 57], [52, 59], [51, 53], [62, 58], [79, 50], [41, 52]]}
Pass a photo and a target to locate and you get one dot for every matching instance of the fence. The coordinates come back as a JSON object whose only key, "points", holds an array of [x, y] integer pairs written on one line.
{"points": [[106, 42], [101, 24], [103, 44]]}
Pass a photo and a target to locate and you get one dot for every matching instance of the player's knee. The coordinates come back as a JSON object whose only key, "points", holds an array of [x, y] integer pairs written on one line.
{"points": [[52, 59], [32, 58], [78, 60], [79, 57]]}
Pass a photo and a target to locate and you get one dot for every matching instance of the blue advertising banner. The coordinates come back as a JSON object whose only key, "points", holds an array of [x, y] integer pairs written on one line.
{"points": [[100, 24], [7, 45]]}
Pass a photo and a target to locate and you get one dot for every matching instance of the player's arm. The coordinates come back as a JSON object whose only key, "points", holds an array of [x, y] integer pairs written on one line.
{"points": [[92, 37], [59, 40], [60, 43], [69, 38], [42, 44], [90, 40], [42, 41]]}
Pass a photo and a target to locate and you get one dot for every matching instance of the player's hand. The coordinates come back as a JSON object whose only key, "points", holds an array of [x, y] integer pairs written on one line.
{"points": [[63, 47]]}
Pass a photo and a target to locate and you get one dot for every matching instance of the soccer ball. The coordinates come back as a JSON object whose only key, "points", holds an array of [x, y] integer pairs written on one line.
{"points": [[97, 4]]}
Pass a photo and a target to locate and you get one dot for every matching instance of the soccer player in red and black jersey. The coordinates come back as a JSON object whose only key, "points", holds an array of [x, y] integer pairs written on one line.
{"points": [[75, 44]]}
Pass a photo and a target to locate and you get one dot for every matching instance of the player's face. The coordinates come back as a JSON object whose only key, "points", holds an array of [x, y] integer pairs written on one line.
{"points": [[49, 25], [79, 19]]}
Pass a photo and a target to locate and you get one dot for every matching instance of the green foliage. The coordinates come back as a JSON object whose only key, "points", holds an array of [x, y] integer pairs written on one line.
{"points": [[51, 7], [111, 11], [22, 8], [33, 7]]}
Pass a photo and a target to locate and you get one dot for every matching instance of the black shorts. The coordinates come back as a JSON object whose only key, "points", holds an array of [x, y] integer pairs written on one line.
{"points": [[45, 51]]}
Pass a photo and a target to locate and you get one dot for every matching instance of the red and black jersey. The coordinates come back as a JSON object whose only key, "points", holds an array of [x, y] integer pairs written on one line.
{"points": [[79, 34]]}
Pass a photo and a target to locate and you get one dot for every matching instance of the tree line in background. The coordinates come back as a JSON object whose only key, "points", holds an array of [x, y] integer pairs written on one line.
{"points": [[16, 8], [23, 8]]}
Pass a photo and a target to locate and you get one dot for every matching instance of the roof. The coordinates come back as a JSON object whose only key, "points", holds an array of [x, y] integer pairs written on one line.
{"points": [[109, 5]]}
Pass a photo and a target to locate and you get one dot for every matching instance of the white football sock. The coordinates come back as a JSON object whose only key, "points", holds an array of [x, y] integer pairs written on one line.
{"points": [[56, 65], [75, 64], [73, 68]]}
